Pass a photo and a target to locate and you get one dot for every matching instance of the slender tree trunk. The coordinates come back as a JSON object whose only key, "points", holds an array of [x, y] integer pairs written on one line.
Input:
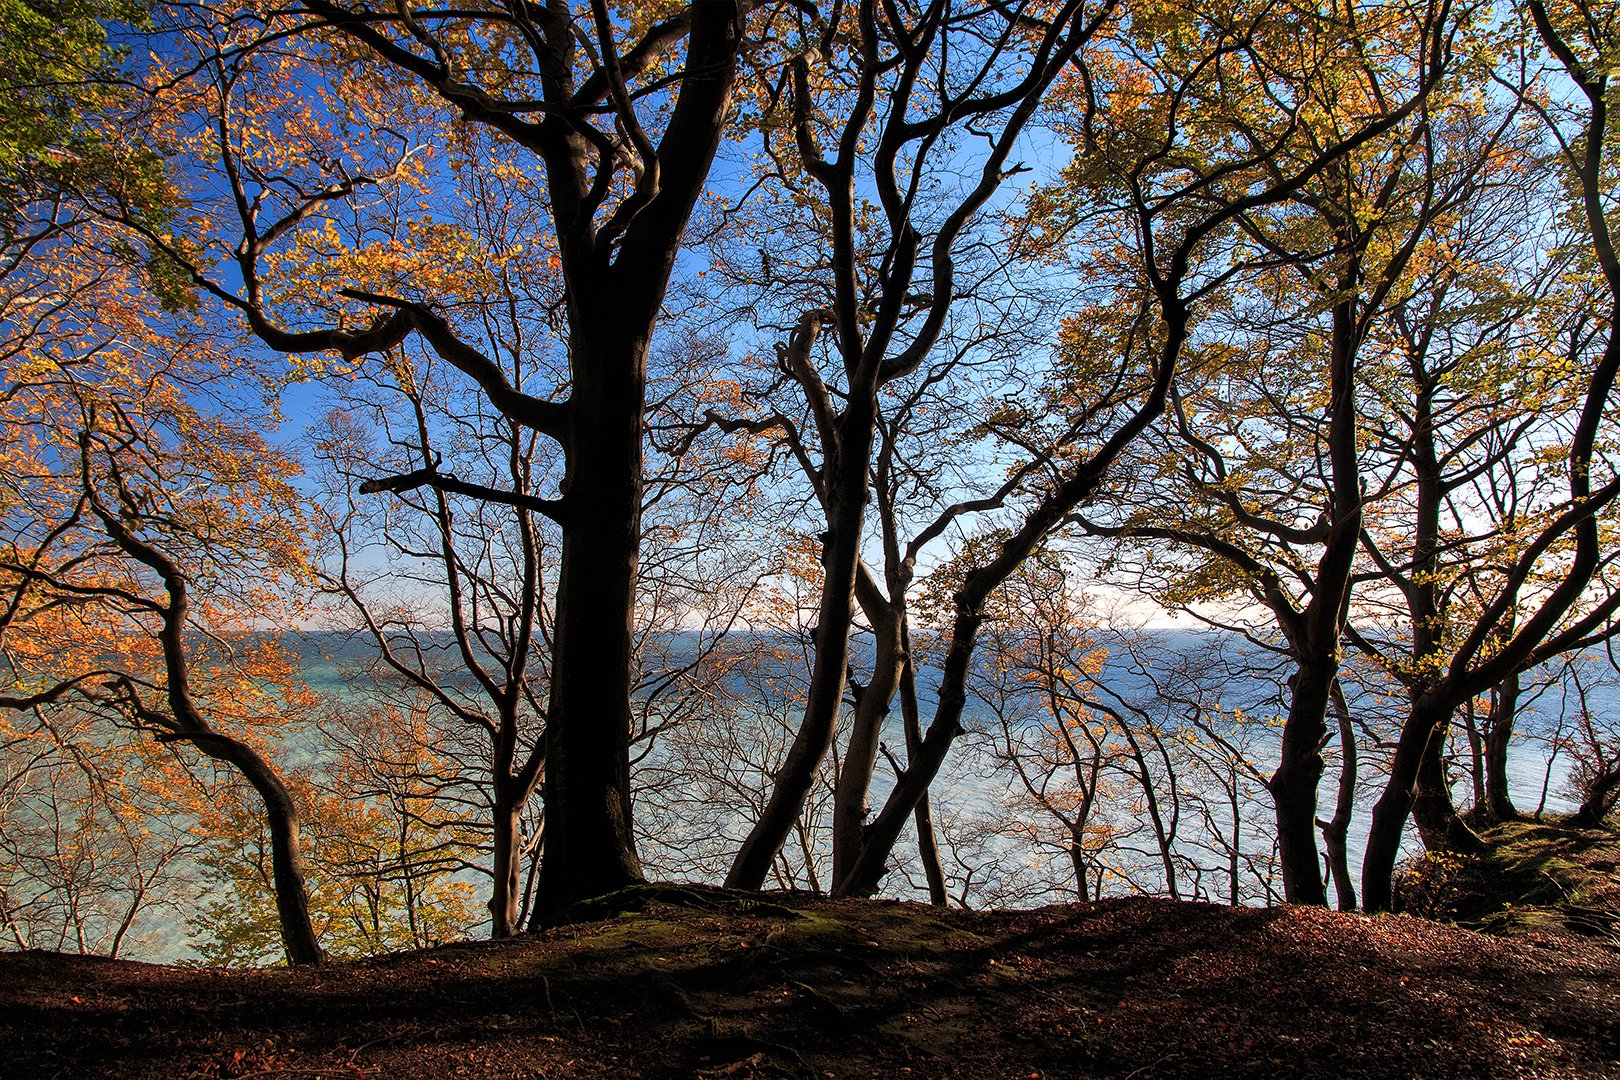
{"points": [[1162, 835], [927, 847], [1476, 753], [1316, 643], [1335, 833], [1234, 896], [287, 870], [1077, 862], [928, 853], [911, 785], [286, 852], [186, 723], [846, 515], [860, 758], [1498, 735]]}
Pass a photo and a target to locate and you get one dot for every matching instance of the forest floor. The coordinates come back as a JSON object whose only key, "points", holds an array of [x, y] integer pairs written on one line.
{"points": [[695, 982]]}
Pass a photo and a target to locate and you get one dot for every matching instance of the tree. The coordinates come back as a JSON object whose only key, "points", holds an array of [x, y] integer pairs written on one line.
{"points": [[622, 119], [1546, 594], [910, 84], [1257, 472], [385, 871], [459, 620], [66, 132], [92, 855], [121, 497], [1137, 145]]}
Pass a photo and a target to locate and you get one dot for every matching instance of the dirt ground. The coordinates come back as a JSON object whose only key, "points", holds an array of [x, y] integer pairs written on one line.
{"points": [[701, 983]]}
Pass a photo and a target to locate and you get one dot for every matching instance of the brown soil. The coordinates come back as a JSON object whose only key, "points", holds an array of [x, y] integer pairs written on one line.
{"points": [[706, 984]]}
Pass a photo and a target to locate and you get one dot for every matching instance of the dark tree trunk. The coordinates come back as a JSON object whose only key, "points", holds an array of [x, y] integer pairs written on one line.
{"points": [[910, 786], [184, 722], [929, 754], [860, 758], [1498, 735], [1293, 786], [1600, 796], [1316, 640], [1335, 833], [928, 853], [287, 866], [846, 478], [927, 847], [1476, 753], [589, 847], [1433, 810], [1417, 755]]}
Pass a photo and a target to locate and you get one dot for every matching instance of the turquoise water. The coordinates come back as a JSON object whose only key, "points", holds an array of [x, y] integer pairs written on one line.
{"points": [[691, 821]]}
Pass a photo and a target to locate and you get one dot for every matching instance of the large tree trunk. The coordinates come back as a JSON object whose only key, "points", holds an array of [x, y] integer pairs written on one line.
{"points": [[1293, 786], [589, 848], [1417, 754], [1433, 810], [505, 887]]}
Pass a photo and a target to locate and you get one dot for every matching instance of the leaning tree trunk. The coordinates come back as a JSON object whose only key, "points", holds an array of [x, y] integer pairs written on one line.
{"points": [[286, 859], [185, 722], [1498, 735], [1600, 795], [846, 479], [1422, 737], [1335, 833]]}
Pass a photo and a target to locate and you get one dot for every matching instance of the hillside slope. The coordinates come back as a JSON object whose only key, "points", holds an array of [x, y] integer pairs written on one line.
{"points": [[703, 983]]}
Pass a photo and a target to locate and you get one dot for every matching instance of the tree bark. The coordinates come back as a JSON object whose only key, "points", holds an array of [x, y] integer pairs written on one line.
{"points": [[860, 758], [1293, 786], [286, 858], [1599, 798], [184, 722], [1498, 735], [589, 847], [1433, 810], [923, 817], [1417, 755], [506, 863], [1335, 833], [846, 495]]}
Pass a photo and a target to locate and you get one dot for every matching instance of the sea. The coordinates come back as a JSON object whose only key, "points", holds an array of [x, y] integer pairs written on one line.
{"points": [[1185, 805]]}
